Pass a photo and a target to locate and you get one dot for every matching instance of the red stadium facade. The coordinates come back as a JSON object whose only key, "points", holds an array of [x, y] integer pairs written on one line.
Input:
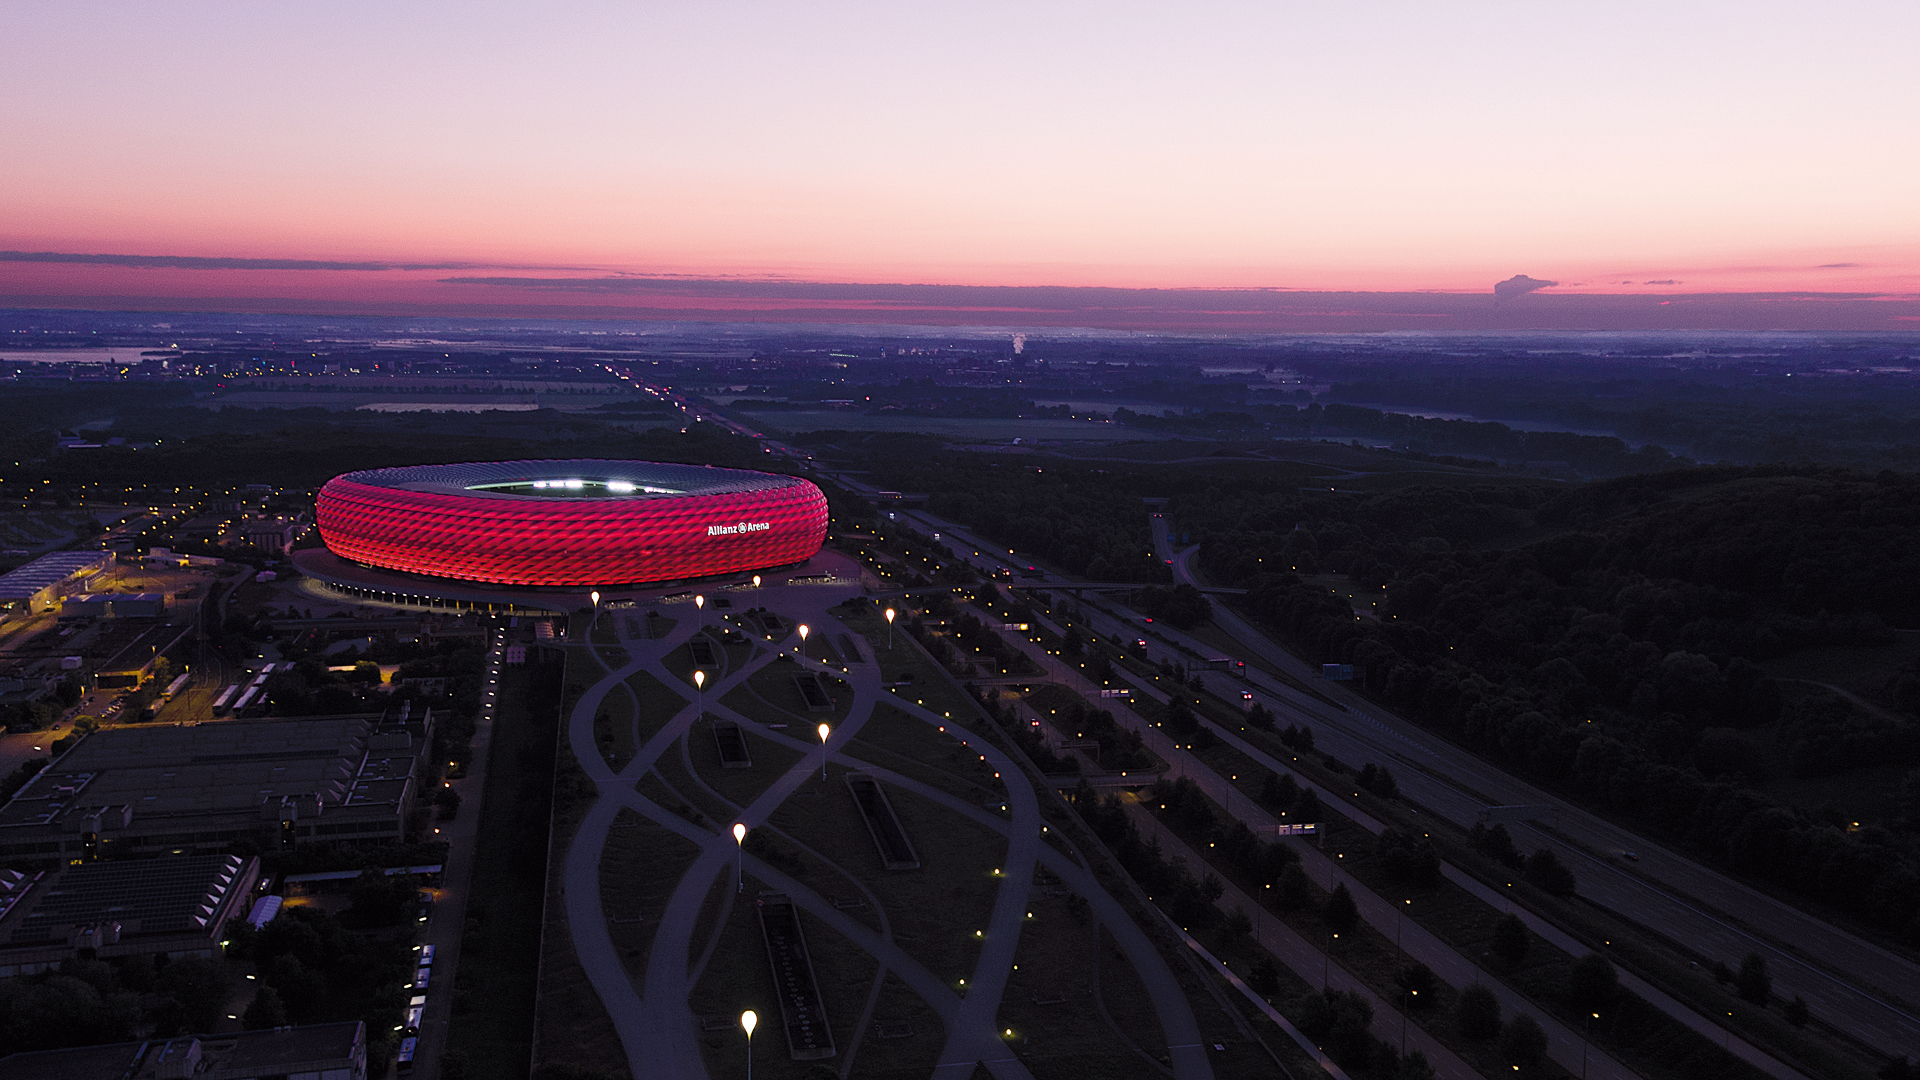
{"points": [[571, 523]]}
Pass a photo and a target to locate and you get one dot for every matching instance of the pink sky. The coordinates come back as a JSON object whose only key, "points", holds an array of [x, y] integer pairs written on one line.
{"points": [[1382, 147]]}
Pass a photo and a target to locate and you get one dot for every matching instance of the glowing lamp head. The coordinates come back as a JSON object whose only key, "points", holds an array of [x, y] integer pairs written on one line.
{"points": [[595, 597], [756, 581], [889, 614], [699, 601], [740, 837], [803, 632], [748, 1020], [824, 732], [700, 679]]}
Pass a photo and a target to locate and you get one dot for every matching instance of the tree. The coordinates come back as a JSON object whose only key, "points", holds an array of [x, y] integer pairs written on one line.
{"points": [[1294, 888], [1477, 1013], [1279, 791], [1546, 872], [1264, 979], [1414, 1066], [1180, 720], [380, 899], [1238, 924], [1796, 1011], [1410, 857], [266, 1011], [1379, 780], [1510, 941], [1416, 979], [1307, 809], [1259, 718], [1339, 1020], [197, 991], [1497, 844], [1753, 983], [1340, 912], [1592, 984], [1523, 1043]]}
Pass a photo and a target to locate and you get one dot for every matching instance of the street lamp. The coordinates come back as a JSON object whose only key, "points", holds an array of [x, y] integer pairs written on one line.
{"points": [[889, 629], [595, 597], [756, 581], [700, 693], [824, 732], [740, 869], [748, 1020], [1584, 1040], [699, 602], [803, 639]]}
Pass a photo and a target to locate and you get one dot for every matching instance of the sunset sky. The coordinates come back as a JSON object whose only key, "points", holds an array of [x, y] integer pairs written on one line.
{"points": [[1612, 148]]}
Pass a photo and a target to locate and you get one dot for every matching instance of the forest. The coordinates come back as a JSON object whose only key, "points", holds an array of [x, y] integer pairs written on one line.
{"points": [[1620, 642]]}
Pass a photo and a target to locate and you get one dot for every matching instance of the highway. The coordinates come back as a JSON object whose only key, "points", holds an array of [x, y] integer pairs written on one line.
{"points": [[1851, 984], [1417, 761]]}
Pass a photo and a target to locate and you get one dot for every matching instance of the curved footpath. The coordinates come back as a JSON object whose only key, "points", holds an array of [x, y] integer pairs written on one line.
{"points": [[657, 1028]]}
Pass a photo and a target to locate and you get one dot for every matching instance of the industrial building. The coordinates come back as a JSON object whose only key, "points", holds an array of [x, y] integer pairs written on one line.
{"points": [[313, 1052], [173, 907], [113, 606], [38, 586], [278, 783]]}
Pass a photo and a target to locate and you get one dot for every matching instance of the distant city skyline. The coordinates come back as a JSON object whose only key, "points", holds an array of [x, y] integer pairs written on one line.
{"points": [[1620, 151]]}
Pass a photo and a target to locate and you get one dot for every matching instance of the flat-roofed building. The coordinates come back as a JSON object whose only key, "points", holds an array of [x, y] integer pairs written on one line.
{"points": [[113, 606], [39, 585], [278, 783], [312, 1052], [176, 906], [125, 656]]}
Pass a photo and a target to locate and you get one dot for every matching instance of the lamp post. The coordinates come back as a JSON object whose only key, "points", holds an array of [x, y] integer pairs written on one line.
{"points": [[700, 694], [1584, 1040], [1326, 966], [740, 866], [747, 1021], [1400, 956], [595, 597], [889, 629], [824, 732], [803, 639]]}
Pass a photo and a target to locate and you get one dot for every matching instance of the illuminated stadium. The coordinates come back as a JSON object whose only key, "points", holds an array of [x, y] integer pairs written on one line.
{"points": [[567, 524]]}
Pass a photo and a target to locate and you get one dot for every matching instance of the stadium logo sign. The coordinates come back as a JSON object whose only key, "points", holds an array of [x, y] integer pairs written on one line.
{"points": [[741, 528]]}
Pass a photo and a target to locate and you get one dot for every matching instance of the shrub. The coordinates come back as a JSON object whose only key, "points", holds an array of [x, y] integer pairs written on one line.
{"points": [[1477, 1013]]}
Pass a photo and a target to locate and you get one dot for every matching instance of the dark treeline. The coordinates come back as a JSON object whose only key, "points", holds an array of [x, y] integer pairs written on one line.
{"points": [[1609, 640], [1086, 521], [1589, 455]]}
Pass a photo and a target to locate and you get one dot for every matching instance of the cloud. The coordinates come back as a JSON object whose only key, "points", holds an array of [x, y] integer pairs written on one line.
{"points": [[1519, 285], [196, 262], [1668, 281], [1836, 266]]}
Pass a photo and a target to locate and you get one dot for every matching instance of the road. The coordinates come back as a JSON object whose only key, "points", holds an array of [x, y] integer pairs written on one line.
{"points": [[449, 918], [1848, 982], [1358, 737], [1565, 1045]]}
